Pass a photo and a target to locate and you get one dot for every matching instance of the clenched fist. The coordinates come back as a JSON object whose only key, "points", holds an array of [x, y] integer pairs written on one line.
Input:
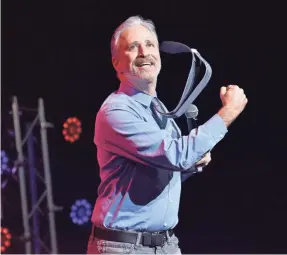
{"points": [[233, 97], [233, 103]]}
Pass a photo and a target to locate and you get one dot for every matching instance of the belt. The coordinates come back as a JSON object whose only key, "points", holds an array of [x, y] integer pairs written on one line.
{"points": [[150, 239]]}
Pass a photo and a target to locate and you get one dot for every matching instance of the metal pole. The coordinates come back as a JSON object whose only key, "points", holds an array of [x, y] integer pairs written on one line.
{"points": [[51, 207], [33, 187], [24, 205]]}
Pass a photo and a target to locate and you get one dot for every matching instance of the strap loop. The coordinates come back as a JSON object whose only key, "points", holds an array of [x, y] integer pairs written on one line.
{"points": [[189, 94]]}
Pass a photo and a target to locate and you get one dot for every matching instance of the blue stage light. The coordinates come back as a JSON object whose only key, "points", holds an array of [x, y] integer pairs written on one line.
{"points": [[4, 162], [81, 212]]}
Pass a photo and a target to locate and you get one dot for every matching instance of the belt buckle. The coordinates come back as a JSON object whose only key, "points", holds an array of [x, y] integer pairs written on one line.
{"points": [[153, 239], [146, 239], [157, 239]]}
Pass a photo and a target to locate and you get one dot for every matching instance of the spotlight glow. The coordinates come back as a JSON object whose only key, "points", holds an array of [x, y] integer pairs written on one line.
{"points": [[4, 162], [81, 212], [72, 129], [5, 239]]}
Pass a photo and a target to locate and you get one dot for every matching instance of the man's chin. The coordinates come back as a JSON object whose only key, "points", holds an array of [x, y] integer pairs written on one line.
{"points": [[141, 77], [147, 78], [147, 75]]}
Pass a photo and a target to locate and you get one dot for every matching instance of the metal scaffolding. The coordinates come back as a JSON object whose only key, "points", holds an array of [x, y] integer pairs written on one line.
{"points": [[33, 236]]}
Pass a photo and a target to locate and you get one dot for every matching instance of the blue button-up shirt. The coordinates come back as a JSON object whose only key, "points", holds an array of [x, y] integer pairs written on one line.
{"points": [[142, 166]]}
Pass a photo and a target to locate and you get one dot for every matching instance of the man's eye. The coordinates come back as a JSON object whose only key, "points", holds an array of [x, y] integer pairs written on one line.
{"points": [[150, 44], [132, 47]]}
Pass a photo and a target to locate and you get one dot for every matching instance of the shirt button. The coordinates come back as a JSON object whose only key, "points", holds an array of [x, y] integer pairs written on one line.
{"points": [[170, 201], [165, 224]]}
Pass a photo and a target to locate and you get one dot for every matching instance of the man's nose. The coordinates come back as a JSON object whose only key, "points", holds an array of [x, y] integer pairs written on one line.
{"points": [[142, 50]]}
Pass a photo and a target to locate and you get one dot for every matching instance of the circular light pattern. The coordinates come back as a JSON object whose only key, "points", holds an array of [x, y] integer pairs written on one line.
{"points": [[81, 211], [5, 239], [4, 162], [72, 129]]}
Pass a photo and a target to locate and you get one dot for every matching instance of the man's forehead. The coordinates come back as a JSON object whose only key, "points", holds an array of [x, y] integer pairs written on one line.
{"points": [[136, 33]]}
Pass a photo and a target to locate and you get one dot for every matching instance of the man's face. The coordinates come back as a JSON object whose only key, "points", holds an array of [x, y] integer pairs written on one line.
{"points": [[138, 54]]}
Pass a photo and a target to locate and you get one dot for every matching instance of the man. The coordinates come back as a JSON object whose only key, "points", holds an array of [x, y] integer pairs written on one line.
{"points": [[143, 159]]}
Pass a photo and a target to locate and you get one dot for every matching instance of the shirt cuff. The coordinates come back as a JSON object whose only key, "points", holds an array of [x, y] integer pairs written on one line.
{"points": [[216, 127]]}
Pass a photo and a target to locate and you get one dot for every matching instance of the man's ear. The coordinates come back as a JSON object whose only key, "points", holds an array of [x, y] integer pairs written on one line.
{"points": [[115, 62]]}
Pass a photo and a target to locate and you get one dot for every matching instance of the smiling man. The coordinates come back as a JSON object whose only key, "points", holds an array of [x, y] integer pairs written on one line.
{"points": [[136, 57], [143, 157]]}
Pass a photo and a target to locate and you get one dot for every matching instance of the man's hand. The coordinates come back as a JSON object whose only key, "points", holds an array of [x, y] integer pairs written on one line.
{"points": [[205, 160], [233, 103]]}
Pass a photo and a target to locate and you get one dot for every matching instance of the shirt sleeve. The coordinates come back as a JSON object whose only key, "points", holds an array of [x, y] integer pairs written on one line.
{"points": [[120, 130]]}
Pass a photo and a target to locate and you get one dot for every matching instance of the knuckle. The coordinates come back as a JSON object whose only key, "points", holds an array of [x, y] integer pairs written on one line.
{"points": [[233, 87]]}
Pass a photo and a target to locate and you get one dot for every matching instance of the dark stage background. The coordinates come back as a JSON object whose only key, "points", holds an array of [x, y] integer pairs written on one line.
{"points": [[61, 51]]}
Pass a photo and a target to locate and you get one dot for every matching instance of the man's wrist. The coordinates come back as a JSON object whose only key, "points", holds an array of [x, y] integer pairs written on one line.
{"points": [[228, 115]]}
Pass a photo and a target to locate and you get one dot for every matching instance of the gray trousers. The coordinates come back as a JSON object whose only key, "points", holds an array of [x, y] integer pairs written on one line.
{"points": [[98, 246]]}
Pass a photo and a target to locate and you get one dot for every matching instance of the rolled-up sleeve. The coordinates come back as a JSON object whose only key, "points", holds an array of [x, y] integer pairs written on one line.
{"points": [[120, 130]]}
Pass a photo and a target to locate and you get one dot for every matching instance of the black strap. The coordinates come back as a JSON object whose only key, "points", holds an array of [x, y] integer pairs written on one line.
{"points": [[189, 94]]}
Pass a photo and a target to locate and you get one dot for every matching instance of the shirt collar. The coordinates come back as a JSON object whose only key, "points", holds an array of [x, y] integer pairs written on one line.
{"points": [[136, 94]]}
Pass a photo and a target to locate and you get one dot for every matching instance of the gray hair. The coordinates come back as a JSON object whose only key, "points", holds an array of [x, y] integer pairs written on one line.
{"points": [[131, 21]]}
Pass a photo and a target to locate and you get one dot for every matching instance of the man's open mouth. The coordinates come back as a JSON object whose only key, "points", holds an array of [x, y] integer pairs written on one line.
{"points": [[145, 64]]}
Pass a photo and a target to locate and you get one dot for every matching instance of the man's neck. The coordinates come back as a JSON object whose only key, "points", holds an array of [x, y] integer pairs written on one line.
{"points": [[144, 86]]}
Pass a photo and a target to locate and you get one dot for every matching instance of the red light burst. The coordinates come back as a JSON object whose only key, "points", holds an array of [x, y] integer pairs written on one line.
{"points": [[72, 128], [5, 239]]}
